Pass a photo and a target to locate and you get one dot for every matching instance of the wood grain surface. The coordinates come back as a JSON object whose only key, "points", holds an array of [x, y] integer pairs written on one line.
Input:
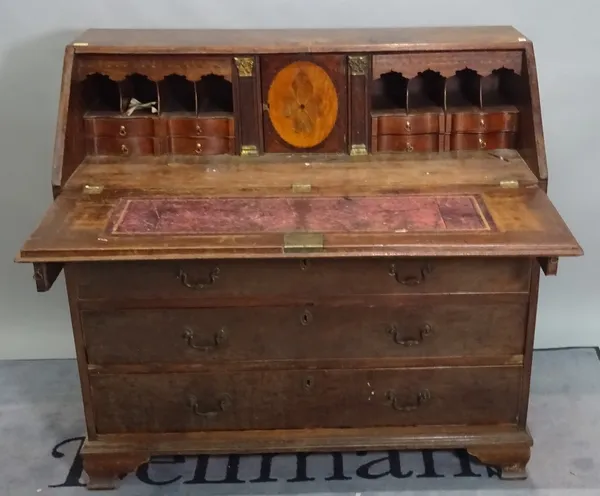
{"points": [[303, 104]]}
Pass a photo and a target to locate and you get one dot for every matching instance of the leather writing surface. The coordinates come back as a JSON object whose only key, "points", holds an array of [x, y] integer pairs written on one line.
{"points": [[280, 214]]}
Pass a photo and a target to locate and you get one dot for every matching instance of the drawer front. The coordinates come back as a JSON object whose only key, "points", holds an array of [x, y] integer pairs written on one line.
{"points": [[298, 278], [426, 123], [125, 147], [200, 146], [185, 402], [118, 127], [482, 122], [409, 143], [489, 141], [219, 127], [302, 332]]}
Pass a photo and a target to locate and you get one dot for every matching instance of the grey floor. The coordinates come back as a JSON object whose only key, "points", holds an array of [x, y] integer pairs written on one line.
{"points": [[41, 429]]}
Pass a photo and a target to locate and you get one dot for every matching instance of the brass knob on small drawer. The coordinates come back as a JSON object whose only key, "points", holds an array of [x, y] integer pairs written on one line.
{"points": [[122, 131], [482, 143], [422, 397], [409, 147], [124, 150], [482, 123], [426, 330], [198, 148], [198, 130], [407, 125]]}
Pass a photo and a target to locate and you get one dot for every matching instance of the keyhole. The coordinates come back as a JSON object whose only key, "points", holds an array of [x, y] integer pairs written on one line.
{"points": [[304, 264], [306, 318], [308, 383], [302, 106]]}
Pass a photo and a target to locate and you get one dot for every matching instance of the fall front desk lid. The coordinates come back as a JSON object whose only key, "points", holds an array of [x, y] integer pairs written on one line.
{"points": [[496, 221]]}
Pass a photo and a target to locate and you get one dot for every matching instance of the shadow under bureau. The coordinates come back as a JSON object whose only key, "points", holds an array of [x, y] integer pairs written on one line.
{"points": [[300, 240]]}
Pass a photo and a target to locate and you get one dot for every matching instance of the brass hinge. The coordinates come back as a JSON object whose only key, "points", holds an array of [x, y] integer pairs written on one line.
{"points": [[509, 184], [80, 43], [93, 189], [302, 242], [301, 187]]}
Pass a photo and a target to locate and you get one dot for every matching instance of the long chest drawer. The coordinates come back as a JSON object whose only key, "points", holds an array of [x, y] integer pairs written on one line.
{"points": [[298, 278], [305, 399], [219, 335]]}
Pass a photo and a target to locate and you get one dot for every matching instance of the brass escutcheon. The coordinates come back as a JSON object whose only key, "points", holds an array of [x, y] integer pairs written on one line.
{"points": [[122, 131], [124, 150]]}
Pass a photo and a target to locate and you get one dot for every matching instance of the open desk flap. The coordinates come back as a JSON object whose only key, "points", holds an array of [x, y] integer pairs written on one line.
{"points": [[488, 222]]}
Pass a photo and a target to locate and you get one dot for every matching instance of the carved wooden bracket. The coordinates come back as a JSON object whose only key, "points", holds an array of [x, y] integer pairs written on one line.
{"points": [[549, 265], [44, 275], [447, 63], [155, 68]]}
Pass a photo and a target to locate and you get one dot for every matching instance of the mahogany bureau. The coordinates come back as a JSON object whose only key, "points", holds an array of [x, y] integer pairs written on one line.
{"points": [[300, 240]]}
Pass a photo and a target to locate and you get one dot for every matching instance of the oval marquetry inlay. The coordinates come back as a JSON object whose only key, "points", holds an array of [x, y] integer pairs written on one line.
{"points": [[303, 104]]}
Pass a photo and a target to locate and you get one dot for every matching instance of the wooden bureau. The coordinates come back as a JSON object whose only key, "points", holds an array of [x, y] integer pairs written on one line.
{"points": [[300, 240]]}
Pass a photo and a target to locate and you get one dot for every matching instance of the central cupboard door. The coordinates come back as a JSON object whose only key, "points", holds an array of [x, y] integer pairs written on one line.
{"points": [[304, 103]]}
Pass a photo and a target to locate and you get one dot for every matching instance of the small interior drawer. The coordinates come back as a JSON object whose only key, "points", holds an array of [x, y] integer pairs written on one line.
{"points": [[408, 143], [119, 127], [123, 146], [484, 122], [187, 402], [402, 124], [482, 141], [218, 127], [200, 146]]}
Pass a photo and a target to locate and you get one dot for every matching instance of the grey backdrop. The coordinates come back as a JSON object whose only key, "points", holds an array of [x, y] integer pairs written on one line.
{"points": [[33, 34]]}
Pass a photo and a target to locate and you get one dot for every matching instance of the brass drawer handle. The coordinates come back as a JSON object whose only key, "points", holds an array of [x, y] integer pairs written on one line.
{"points": [[409, 147], [422, 398], [198, 130], [425, 331], [122, 131], [408, 126], [224, 403], [411, 280], [198, 148], [185, 279], [124, 150], [482, 144], [218, 339], [482, 124]]}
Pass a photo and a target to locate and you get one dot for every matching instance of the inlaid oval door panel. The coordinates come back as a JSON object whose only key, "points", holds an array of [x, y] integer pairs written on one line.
{"points": [[303, 104]]}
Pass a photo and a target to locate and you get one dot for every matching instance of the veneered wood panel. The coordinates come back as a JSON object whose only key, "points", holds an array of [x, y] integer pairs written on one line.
{"points": [[220, 41], [305, 399], [274, 175], [296, 333], [303, 278], [304, 103], [75, 229]]}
